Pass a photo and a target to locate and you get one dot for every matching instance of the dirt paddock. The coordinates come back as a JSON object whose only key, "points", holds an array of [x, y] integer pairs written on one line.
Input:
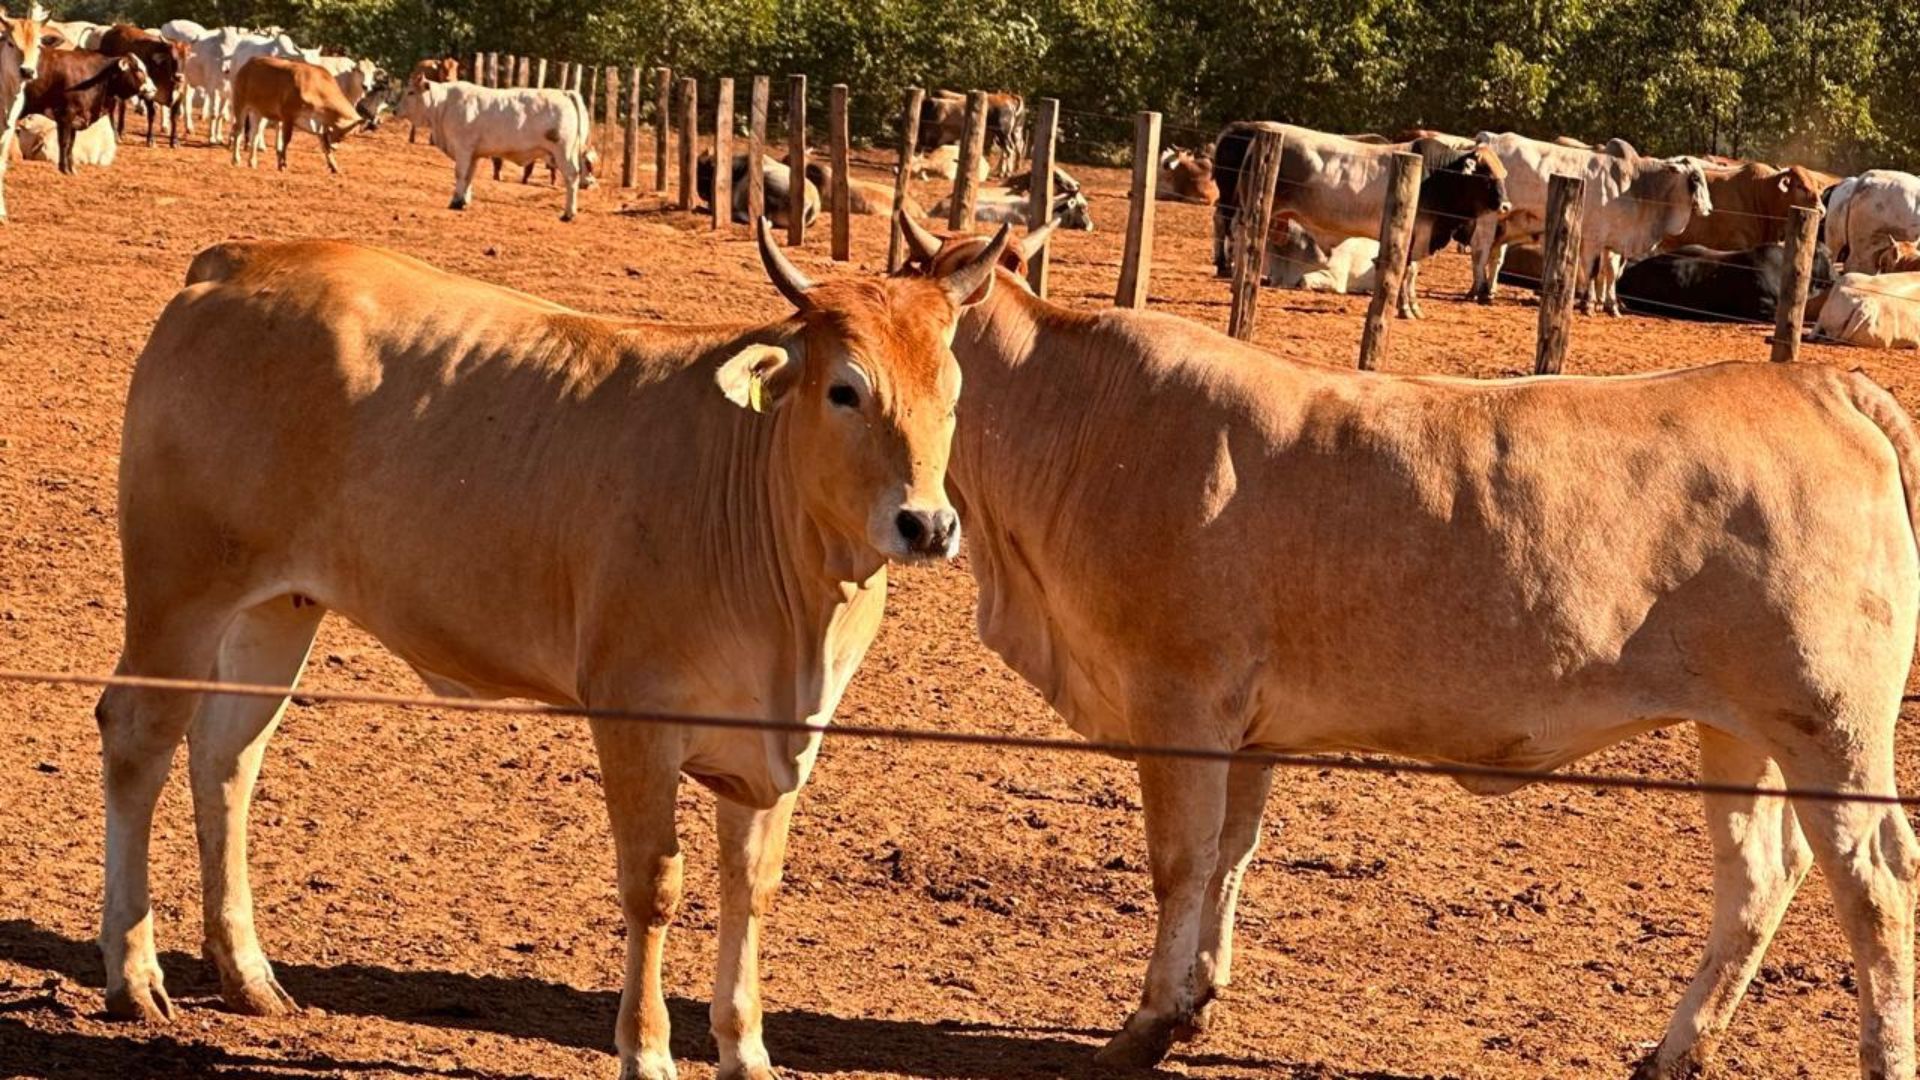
{"points": [[437, 890]]}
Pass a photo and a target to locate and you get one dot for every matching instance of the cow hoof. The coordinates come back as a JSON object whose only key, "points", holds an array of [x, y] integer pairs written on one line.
{"points": [[743, 1072], [1139, 1046], [648, 1067], [456, 205], [258, 997], [142, 1000], [566, 217]]}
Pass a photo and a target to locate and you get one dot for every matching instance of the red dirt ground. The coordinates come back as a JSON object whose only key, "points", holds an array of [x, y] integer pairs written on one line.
{"points": [[437, 889]]}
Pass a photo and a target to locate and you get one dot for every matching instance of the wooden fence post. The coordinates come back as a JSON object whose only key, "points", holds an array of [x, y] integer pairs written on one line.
{"points": [[796, 160], [723, 155], [839, 195], [909, 135], [1046, 132], [662, 120], [522, 73], [1396, 238], [477, 74], [1137, 261], [493, 69], [1566, 202], [591, 91], [610, 110], [1791, 309], [630, 153], [540, 73], [1250, 225], [689, 139], [757, 150], [565, 81], [973, 143]]}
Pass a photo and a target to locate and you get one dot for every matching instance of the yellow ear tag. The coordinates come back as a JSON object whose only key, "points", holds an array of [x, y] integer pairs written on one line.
{"points": [[757, 394]]}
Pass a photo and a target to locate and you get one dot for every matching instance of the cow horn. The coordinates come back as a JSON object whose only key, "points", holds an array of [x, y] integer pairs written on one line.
{"points": [[1036, 239], [921, 241], [786, 277], [968, 283]]}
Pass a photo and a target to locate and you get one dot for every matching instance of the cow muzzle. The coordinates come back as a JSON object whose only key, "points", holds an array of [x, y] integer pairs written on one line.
{"points": [[28, 72], [929, 534]]}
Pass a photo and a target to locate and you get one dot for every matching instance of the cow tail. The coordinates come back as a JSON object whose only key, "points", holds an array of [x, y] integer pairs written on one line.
{"points": [[1887, 414]]}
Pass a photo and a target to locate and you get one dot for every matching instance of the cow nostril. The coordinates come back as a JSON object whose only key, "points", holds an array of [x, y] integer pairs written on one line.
{"points": [[913, 528]]}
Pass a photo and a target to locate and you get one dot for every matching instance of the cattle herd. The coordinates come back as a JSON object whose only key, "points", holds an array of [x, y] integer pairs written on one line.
{"points": [[1179, 539]]}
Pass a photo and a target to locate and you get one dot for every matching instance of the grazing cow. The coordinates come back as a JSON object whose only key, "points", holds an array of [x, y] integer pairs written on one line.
{"points": [[1632, 204], [1697, 282], [943, 121], [164, 60], [520, 501], [293, 94], [1876, 201], [1877, 311], [358, 79], [40, 141], [998, 206], [943, 162], [779, 189], [471, 122], [1186, 177], [865, 198], [76, 87], [1337, 188], [1763, 588], [1752, 204], [443, 70], [20, 57]]}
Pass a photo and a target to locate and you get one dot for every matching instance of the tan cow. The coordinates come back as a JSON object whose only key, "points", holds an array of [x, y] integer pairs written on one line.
{"points": [[1235, 550], [520, 500], [1752, 204], [293, 94]]}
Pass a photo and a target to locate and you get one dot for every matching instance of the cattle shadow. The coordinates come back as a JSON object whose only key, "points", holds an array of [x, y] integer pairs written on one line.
{"points": [[526, 1008]]}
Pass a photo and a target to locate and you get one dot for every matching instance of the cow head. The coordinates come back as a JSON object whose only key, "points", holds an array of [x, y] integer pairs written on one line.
{"points": [[1483, 163], [1889, 254], [1071, 211], [1798, 186], [129, 79], [866, 388], [20, 41], [928, 251]]}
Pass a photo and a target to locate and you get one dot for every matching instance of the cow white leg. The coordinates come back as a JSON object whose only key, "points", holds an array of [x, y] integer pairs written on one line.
{"points": [[1869, 858], [753, 848], [1247, 787], [139, 730], [1613, 264], [570, 172], [641, 779], [7, 136], [267, 644], [1410, 291], [463, 166], [1759, 860], [1185, 804]]}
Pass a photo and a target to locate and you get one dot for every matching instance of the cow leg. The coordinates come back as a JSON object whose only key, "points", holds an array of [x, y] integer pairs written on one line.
{"points": [[463, 166], [1409, 290], [266, 645], [496, 168], [1615, 264], [326, 151], [570, 173], [412, 132], [526, 174], [641, 780], [1222, 236], [149, 108], [1488, 253], [1247, 787], [1185, 804], [139, 731], [64, 137], [753, 848], [1759, 860], [1870, 860], [281, 140]]}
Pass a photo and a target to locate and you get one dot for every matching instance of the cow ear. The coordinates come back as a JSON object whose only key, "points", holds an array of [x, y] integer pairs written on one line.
{"points": [[757, 377], [1786, 182]]}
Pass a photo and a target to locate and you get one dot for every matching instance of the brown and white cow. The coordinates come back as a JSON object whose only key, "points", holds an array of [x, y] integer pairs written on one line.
{"points": [[295, 95], [76, 87], [165, 61], [520, 500], [20, 52], [1752, 205], [943, 120], [1187, 177], [1763, 589], [865, 198]]}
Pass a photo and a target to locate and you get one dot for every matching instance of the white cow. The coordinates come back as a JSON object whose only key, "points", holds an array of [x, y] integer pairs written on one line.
{"points": [[526, 126], [208, 74], [20, 49], [356, 77], [1878, 311], [39, 141], [998, 206], [76, 33], [1299, 262], [1632, 204], [1876, 201], [183, 31]]}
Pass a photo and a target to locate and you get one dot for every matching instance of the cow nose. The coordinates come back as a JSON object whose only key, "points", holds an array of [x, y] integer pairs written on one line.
{"points": [[1506, 207], [27, 72], [928, 532]]}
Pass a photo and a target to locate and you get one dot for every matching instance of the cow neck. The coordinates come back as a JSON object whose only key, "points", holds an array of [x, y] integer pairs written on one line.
{"points": [[100, 76]]}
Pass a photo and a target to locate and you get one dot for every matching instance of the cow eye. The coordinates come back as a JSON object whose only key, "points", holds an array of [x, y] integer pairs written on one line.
{"points": [[844, 396]]}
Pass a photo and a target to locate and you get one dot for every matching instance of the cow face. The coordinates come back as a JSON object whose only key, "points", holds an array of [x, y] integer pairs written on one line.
{"points": [[20, 41], [130, 79], [1071, 211], [1798, 186], [1481, 161], [1697, 193], [866, 391]]}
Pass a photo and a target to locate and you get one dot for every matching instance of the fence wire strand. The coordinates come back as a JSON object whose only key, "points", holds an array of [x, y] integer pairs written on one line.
{"points": [[1319, 763]]}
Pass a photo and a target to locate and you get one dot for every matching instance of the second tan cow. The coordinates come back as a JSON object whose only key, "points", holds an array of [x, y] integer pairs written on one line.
{"points": [[1752, 205], [291, 93]]}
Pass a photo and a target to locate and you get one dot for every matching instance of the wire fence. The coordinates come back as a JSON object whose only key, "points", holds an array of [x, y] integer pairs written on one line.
{"points": [[1268, 759]]}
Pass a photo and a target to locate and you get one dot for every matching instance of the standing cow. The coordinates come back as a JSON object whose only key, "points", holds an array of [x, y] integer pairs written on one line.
{"points": [[295, 95], [443, 70], [164, 61], [1861, 207], [471, 122], [943, 120], [20, 52], [1752, 204], [76, 87]]}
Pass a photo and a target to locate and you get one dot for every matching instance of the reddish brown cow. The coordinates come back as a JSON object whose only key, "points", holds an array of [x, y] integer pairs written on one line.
{"points": [[75, 87], [1752, 203], [269, 89], [1187, 177], [164, 61]]}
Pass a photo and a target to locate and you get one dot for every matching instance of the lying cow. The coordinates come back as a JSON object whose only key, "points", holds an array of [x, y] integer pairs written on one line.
{"points": [[1632, 204], [295, 95], [76, 87], [1861, 207], [1760, 580], [1877, 311], [865, 198], [999, 206], [20, 51], [1295, 260], [1337, 188], [581, 560], [1752, 202], [471, 122], [1888, 254], [164, 61], [1186, 177], [1697, 282], [943, 162], [97, 145], [778, 189]]}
